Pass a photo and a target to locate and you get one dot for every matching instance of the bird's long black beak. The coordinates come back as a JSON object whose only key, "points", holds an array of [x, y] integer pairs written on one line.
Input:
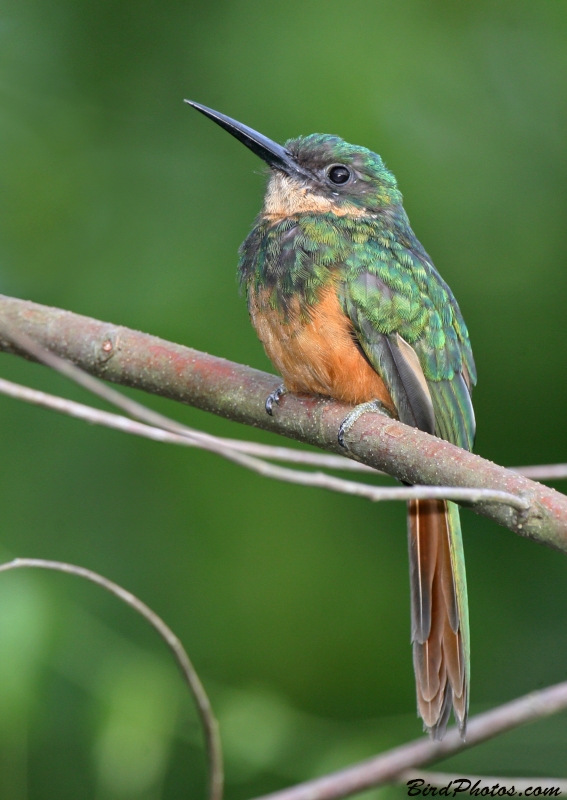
{"points": [[271, 152]]}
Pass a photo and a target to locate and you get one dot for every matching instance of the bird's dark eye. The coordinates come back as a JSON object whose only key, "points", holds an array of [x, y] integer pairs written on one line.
{"points": [[339, 174]]}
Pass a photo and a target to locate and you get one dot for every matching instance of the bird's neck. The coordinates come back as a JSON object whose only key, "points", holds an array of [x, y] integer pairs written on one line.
{"points": [[292, 258]]}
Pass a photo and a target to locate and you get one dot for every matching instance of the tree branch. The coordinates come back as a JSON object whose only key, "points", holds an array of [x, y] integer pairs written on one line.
{"points": [[388, 767], [237, 392], [543, 472], [205, 711]]}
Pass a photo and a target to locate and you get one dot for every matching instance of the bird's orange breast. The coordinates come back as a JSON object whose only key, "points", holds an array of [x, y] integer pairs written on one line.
{"points": [[318, 354]]}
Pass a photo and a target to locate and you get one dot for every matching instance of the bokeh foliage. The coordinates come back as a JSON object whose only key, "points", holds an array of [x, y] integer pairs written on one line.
{"points": [[120, 202]]}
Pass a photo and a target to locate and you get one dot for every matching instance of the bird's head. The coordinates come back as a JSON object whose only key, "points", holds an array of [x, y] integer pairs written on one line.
{"points": [[317, 173]]}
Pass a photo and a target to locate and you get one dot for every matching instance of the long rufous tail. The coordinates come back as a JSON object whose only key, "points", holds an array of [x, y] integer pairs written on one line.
{"points": [[440, 630]]}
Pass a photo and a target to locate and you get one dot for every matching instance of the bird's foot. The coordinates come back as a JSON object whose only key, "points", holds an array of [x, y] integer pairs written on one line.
{"points": [[274, 397], [373, 406]]}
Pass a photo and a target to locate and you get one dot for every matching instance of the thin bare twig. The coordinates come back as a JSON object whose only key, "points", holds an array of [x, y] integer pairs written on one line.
{"points": [[543, 472], [210, 443], [387, 767], [463, 783], [208, 721], [303, 457]]}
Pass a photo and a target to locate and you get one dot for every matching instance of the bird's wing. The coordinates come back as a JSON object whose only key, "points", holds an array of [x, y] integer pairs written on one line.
{"points": [[409, 326]]}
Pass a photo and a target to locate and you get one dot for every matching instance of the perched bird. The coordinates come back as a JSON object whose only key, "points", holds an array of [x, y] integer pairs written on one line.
{"points": [[348, 305]]}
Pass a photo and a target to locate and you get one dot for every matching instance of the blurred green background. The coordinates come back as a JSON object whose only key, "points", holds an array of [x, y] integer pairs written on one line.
{"points": [[119, 202]]}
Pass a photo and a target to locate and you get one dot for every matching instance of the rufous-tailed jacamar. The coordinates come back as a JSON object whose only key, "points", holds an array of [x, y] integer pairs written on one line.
{"points": [[348, 305]]}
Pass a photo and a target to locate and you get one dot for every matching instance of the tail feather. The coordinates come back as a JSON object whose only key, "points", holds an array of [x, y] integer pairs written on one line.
{"points": [[428, 659], [439, 614], [423, 564]]}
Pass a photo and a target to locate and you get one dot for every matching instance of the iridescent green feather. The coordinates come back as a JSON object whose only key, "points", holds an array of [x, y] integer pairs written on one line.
{"points": [[460, 578]]}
